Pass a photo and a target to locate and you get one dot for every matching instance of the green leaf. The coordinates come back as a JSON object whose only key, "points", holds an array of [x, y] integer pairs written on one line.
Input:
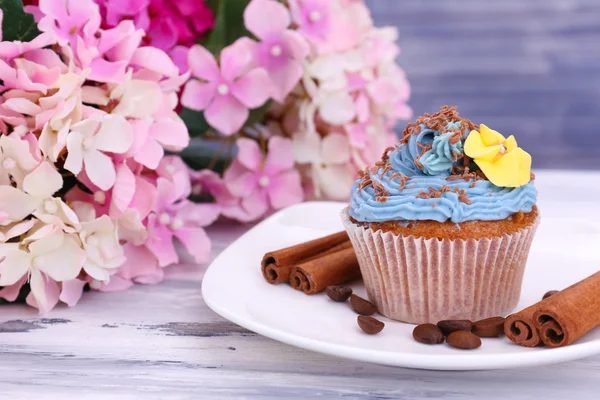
{"points": [[201, 153], [229, 24], [257, 115], [195, 122], [17, 24]]}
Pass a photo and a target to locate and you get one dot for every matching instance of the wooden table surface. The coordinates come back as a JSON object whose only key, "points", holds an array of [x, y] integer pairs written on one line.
{"points": [[163, 342]]}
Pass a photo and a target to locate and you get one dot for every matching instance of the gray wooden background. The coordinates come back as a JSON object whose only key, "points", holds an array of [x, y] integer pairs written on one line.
{"points": [[524, 67]]}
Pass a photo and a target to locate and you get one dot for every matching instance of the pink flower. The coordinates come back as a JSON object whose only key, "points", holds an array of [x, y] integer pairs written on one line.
{"points": [[90, 139], [174, 216], [262, 183], [325, 24], [69, 20], [167, 23], [226, 93], [229, 206], [282, 50]]}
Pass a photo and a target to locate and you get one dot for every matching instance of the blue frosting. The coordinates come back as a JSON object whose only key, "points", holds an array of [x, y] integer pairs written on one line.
{"points": [[442, 156], [487, 201]]}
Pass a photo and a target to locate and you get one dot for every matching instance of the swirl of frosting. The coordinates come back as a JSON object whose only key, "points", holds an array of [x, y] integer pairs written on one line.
{"points": [[411, 184], [487, 201], [403, 157], [442, 156]]}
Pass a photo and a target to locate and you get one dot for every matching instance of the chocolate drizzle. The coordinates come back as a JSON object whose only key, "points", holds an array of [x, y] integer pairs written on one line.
{"points": [[438, 122]]}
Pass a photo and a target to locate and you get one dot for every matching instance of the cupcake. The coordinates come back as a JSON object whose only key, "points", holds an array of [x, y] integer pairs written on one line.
{"points": [[442, 225]]}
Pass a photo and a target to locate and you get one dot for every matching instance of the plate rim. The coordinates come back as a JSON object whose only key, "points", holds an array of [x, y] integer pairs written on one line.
{"points": [[448, 362]]}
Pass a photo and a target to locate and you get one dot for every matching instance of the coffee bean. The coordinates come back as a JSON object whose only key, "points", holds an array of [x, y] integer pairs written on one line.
{"points": [[450, 325], [550, 293], [463, 340], [338, 293], [370, 325], [362, 306], [428, 334], [489, 327]]}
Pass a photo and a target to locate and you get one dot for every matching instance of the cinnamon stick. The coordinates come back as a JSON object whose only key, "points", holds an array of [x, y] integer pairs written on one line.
{"points": [[277, 265], [562, 318], [520, 328], [315, 275], [569, 314]]}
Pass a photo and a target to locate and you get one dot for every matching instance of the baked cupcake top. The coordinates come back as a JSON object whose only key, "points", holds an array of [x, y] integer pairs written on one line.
{"points": [[446, 168]]}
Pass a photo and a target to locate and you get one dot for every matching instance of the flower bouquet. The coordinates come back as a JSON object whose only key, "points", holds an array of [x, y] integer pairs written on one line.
{"points": [[287, 101]]}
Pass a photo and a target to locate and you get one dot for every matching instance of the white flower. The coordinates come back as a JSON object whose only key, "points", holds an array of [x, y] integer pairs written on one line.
{"points": [[36, 198], [101, 243], [90, 139], [137, 98], [15, 229], [57, 255], [58, 112], [329, 159], [16, 160]]}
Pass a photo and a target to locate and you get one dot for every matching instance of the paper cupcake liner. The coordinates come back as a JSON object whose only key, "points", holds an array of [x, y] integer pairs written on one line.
{"points": [[420, 280]]}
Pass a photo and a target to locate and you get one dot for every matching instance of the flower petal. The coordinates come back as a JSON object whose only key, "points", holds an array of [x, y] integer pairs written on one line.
{"points": [[285, 77], [197, 95], [172, 134], [256, 203], [11, 292], [15, 265], [116, 284], [239, 181], [279, 156], [334, 181], [43, 181], [249, 154], [202, 64], [337, 108], [296, 44], [306, 147], [71, 291], [254, 88], [201, 214], [196, 241], [476, 149], [237, 58], [226, 114], [16, 204], [490, 137], [336, 149], [155, 60], [74, 162], [124, 188], [145, 196], [140, 262], [285, 189], [162, 246], [266, 17], [65, 262], [115, 135], [150, 154], [44, 292], [511, 143], [107, 71], [100, 169]]}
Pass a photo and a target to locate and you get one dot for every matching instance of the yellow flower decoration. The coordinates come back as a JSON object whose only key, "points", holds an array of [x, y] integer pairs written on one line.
{"points": [[500, 159]]}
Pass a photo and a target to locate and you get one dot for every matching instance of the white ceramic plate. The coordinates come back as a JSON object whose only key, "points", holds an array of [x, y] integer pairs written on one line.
{"points": [[564, 251]]}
